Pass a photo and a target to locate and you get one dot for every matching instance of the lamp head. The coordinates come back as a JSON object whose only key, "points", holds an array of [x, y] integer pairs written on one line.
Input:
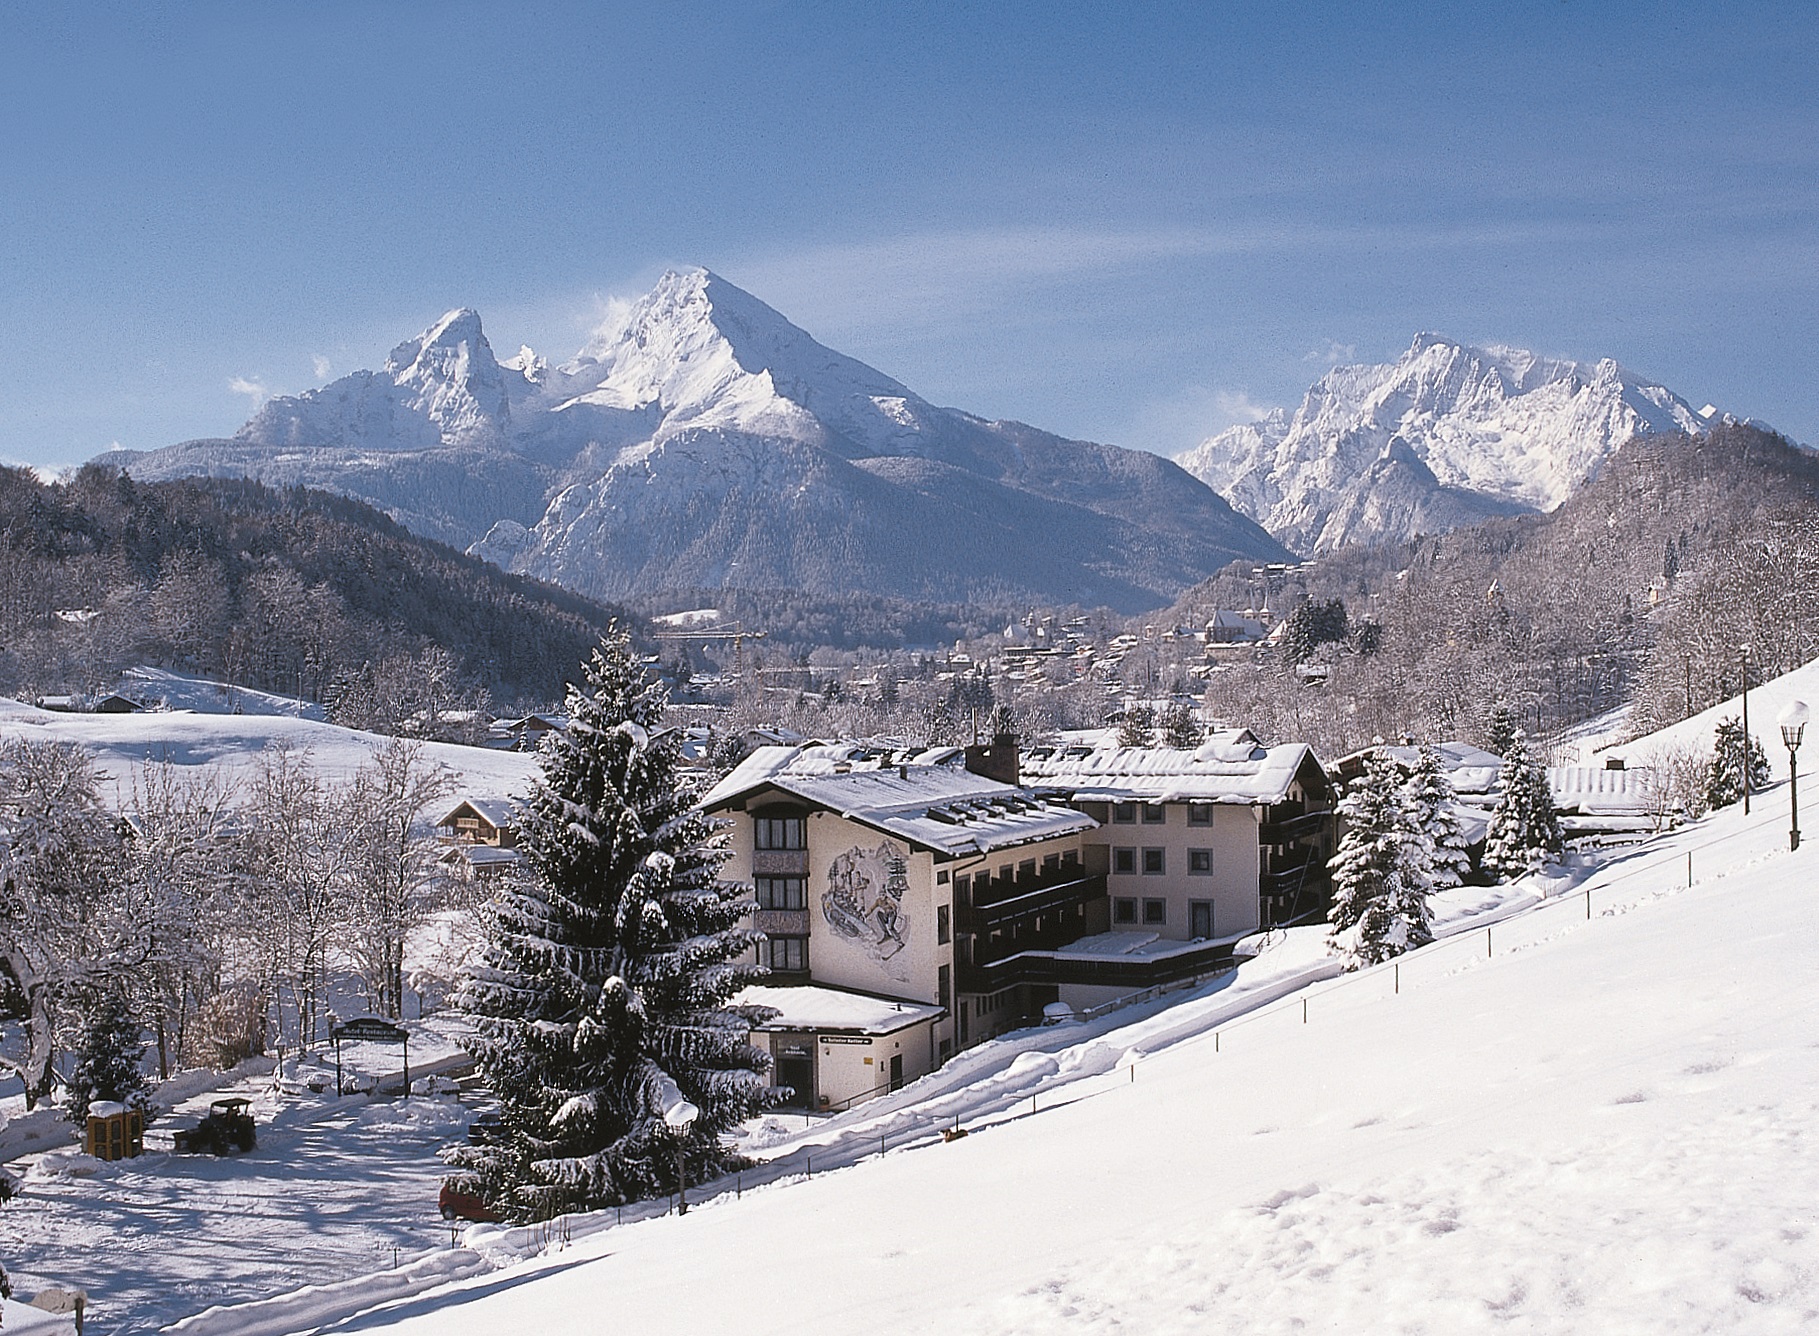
{"points": [[1793, 719]]}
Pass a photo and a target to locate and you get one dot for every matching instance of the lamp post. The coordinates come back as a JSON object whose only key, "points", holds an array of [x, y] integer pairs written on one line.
{"points": [[1746, 730], [678, 1115], [1792, 719]]}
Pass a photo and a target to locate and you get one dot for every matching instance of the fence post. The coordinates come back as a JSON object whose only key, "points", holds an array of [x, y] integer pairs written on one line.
{"points": [[1689, 867], [1304, 1011], [1398, 969], [1487, 943], [1588, 903]]}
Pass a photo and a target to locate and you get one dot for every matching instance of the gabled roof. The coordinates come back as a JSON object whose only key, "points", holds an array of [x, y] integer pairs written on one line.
{"points": [[1229, 767], [940, 807], [490, 810]]}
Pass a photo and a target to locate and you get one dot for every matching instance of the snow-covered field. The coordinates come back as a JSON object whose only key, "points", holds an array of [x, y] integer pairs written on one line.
{"points": [[1556, 1122], [123, 743]]}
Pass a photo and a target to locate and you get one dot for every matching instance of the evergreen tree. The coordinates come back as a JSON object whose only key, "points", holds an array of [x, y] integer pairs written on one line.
{"points": [[1724, 775], [1179, 727], [108, 1050], [608, 971], [1525, 831], [1430, 796], [1499, 729], [1380, 873], [1137, 726]]}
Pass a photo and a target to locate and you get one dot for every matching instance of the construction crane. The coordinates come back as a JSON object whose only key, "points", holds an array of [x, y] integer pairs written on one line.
{"points": [[738, 635]]}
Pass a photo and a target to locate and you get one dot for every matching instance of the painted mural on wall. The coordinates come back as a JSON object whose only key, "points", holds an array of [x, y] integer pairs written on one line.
{"points": [[863, 903]]}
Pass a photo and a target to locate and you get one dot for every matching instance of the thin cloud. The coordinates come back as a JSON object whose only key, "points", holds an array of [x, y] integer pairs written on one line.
{"points": [[1334, 354], [252, 389], [1182, 419], [320, 365]]}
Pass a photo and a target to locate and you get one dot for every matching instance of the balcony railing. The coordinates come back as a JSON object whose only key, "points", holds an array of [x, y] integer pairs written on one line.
{"points": [[1288, 829], [780, 862], [1042, 967], [1024, 900]]}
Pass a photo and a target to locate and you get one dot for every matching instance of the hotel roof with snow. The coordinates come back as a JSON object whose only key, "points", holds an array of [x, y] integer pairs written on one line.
{"points": [[1229, 767], [925, 799]]}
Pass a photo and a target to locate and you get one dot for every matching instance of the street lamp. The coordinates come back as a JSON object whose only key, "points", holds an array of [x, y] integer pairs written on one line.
{"points": [[679, 1116], [1793, 723]]}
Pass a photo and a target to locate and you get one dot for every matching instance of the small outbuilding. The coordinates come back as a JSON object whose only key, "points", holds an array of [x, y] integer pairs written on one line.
{"points": [[115, 1131]]}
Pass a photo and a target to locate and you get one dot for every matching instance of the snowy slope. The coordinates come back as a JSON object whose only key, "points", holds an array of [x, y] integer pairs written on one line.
{"points": [[123, 743], [1444, 436], [1597, 1116], [705, 441]]}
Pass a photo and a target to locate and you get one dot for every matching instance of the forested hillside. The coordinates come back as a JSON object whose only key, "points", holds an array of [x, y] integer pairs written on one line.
{"points": [[296, 591], [1643, 587]]}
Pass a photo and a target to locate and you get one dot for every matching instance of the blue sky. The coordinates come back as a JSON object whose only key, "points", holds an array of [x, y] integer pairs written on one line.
{"points": [[1133, 223]]}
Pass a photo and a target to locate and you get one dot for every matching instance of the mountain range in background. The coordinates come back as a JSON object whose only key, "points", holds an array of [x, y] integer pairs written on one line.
{"points": [[705, 442], [1443, 437]]}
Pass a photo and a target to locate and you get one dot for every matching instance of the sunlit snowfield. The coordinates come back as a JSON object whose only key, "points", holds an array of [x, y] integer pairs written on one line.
{"points": [[1561, 1122]]}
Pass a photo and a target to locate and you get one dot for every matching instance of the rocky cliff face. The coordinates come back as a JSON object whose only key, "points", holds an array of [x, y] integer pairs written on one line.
{"points": [[1446, 435]]}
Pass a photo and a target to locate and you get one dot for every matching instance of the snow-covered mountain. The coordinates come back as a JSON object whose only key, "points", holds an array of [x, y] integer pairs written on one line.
{"points": [[1445, 436], [705, 442]]}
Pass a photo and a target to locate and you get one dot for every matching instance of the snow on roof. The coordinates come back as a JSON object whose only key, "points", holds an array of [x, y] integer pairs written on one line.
{"points": [[1599, 791], [940, 807], [495, 812], [1229, 767], [1471, 770], [811, 1007]]}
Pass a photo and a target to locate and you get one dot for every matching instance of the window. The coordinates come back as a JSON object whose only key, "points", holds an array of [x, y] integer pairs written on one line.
{"points": [[788, 954], [1155, 814], [1124, 911], [1199, 862], [1155, 911], [963, 891], [1124, 814], [943, 985], [780, 892], [781, 832], [1124, 860], [1200, 814], [1154, 862], [1051, 864], [1026, 870], [943, 924], [1070, 858], [941, 879]]}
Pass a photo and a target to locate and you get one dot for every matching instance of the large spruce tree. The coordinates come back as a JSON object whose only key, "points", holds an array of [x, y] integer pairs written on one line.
{"points": [[1525, 833], [1382, 870], [1430, 794], [609, 970]]}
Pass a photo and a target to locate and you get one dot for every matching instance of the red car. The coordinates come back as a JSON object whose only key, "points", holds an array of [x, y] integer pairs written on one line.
{"points": [[458, 1205]]}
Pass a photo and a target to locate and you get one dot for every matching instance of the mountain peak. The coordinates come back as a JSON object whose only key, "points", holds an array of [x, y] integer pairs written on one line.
{"points": [[1496, 428]]}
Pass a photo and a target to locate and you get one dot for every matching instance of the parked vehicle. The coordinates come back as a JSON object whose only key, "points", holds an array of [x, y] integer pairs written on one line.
{"points": [[226, 1127], [457, 1205]]}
